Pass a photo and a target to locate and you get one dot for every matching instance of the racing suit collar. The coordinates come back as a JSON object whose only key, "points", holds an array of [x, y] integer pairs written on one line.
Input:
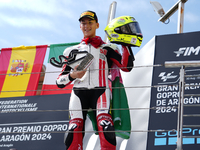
{"points": [[95, 41]]}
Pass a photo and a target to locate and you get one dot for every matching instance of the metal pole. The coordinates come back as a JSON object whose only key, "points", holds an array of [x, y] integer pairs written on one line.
{"points": [[180, 109], [111, 15], [180, 16]]}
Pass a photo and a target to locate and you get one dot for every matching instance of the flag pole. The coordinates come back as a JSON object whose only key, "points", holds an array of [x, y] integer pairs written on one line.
{"points": [[111, 16]]}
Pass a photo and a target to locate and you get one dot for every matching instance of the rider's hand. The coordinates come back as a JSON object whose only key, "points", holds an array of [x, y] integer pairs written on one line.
{"points": [[77, 74]]}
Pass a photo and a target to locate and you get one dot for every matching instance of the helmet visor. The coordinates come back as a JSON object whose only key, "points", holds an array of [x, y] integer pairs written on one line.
{"points": [[132, 28]]}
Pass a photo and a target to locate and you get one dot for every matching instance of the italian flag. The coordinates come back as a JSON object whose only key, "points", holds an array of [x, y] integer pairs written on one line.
{"points": [[49, 85], [20, 69]]}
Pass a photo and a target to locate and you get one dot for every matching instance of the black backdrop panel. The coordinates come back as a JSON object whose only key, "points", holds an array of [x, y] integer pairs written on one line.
{"points": [[176, 47], [34, 122]]}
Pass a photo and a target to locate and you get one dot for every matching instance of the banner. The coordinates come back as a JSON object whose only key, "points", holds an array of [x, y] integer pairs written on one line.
{"points": [[20, 69], [52, 72], [136, 83], [34, 122], [165, 98]]}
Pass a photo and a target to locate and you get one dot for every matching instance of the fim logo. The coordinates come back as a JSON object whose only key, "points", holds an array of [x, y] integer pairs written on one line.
{"points": [[170, 137], [187, 51], [164, 77]]}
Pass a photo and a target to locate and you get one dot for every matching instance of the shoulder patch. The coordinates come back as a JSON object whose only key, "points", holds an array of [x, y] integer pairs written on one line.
{"points": [[112, 46]]}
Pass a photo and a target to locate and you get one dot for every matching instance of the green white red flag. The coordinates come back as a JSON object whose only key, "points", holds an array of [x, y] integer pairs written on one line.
{"points": [[49, 85]]}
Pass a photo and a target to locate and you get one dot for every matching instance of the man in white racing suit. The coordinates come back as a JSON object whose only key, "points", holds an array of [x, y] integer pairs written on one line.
{"points": [[91, 88]]}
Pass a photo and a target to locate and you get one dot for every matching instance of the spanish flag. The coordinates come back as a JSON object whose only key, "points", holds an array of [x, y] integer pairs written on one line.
{"points": [[20, 69]]}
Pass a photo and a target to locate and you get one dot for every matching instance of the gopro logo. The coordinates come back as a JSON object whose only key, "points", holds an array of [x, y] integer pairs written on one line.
{"points": [[187, 51], [170, 137]]}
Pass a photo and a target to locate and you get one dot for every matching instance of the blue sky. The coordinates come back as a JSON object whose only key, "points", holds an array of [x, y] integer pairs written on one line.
{"points": [[39, 22]]}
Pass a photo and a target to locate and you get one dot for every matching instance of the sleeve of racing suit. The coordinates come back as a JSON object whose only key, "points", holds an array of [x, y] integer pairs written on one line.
{"points": [[64, 78], [124, 61]]}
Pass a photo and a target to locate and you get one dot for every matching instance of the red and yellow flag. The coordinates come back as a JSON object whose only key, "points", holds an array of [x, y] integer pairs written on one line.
{"points": [[20, 69]]}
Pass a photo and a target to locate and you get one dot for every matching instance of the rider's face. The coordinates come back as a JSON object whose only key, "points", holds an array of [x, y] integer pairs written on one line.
{"points": [[88, 27]]}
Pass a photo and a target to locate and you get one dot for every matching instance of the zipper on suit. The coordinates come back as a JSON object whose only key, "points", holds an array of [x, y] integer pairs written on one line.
{"points": [[89, 67]]}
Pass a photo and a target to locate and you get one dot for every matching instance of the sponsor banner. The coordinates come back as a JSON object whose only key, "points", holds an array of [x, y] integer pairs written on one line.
{"points": [[165, 97], [20, 70], [52, 72], [34, 122]]}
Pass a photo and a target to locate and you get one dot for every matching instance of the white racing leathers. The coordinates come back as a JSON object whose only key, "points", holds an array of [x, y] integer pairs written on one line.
{"points": [[92, 91]]}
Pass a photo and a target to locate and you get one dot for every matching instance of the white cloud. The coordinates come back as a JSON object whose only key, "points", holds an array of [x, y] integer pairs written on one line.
{"points": [[134, 7], [24, 21], [5, 1], [5, 43], [52, 8], [29, 23], [33, 40], [37, 14], [192, 18]]}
